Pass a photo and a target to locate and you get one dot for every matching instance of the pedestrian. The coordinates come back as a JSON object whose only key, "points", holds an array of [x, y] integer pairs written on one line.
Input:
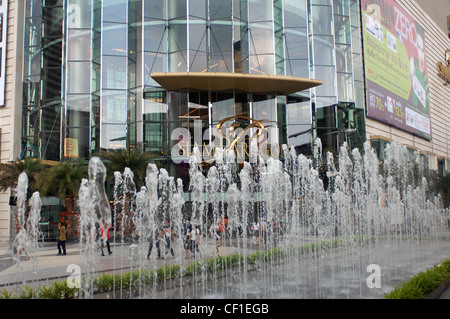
{"points": [[194, 240], [275, 232], [186, 234], [222, 228], [154, 239], [214, 231], [255, 229], [61, 239], [264, 231], [21, 243], [103, 241], [169, 236]]}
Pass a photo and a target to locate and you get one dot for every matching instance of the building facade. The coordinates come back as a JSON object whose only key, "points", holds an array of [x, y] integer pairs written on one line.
{"points": [[89, 84], [164, 76], [12, 29]]}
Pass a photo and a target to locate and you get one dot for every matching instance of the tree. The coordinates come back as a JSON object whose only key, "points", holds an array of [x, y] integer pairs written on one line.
{"points": [[137, 162], [116, 161], [9, 176], [9, 173], [63, 181], [443, 185]]}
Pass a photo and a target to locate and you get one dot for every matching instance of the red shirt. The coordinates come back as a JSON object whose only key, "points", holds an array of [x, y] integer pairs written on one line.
{"points": [[221, 226]]}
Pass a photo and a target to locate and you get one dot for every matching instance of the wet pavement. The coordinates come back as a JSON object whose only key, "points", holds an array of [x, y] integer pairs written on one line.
{"points": [[339, 274]]}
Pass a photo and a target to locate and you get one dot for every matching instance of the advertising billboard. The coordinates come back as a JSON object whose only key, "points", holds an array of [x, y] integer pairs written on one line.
{"points": [[396, 67]]}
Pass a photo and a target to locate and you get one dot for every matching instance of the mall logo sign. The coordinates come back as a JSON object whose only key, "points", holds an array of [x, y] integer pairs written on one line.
{"points": [[249, 141], [444, 70]]}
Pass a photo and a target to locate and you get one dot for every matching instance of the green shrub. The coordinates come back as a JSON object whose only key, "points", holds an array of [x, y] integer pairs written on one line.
{"points": [[422, 284]]}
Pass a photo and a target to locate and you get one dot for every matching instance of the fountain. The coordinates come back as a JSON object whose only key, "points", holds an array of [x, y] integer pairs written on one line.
{"points": [[314, 233]]}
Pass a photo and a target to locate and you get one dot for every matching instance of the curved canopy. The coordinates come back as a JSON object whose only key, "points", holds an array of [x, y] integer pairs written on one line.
{"points": [[218, 81]]}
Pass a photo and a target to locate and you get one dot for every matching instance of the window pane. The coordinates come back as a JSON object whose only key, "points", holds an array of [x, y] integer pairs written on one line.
{"points": [[113, 136], [79, 102], [262, 64], [79, 45], [322, 20], [177, 9], [155, 36], [296, 44], [323, 50], [79, 14], [197, 8], [114, 39], [260, 10], [295, 13], [343, 58], [155, 9], [220, 10], [114, 107], [265, 109], [177, 37], [113, 11], [327, 74], [79, 77], [261, 40], [298, 68], [177, 62], [114, 72], [198, 61], [197, 35], [223, 107], [153, 62]]}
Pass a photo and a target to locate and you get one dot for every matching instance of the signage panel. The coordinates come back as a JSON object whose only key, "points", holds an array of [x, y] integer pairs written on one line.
{"points": [[396, 67]]}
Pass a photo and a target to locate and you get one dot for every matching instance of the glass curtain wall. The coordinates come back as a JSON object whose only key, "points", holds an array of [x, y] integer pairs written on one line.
{"points": [[31, 79], [297, 59], [102, 74], [114, 73], [42, 75], [78, 79], [336, 59]]}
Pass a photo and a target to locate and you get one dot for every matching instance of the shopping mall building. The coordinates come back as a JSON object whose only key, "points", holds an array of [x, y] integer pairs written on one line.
{"points": [[163, 76]]}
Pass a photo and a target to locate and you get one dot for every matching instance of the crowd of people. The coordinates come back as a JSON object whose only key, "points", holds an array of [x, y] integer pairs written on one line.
{"points": [[163, 237]]}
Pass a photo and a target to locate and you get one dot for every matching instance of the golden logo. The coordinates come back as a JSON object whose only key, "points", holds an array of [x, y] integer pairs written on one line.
{"points": [[260, 128]]}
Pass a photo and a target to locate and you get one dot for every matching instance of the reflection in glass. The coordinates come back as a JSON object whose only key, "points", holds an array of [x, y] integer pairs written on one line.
{"points": [[78, 77], [115, 55], [264, 107], [114, 72], [114, 106], [113, 11], [78, 45], [114, 39], [113, 136]]}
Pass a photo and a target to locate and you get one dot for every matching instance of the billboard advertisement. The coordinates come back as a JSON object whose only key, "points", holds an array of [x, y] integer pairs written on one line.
{"points": [[396, 67]]}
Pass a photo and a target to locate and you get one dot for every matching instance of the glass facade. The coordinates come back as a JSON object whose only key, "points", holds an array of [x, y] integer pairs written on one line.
{"points": [[88, 68], [42, 79]]}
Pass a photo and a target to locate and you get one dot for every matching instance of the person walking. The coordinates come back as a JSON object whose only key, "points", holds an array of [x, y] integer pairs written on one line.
{"points": [[186, 234], [22, 243], [102, 239], [194, 240], [61, 239], [154, 238], [222, 228], [169, 236]]}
